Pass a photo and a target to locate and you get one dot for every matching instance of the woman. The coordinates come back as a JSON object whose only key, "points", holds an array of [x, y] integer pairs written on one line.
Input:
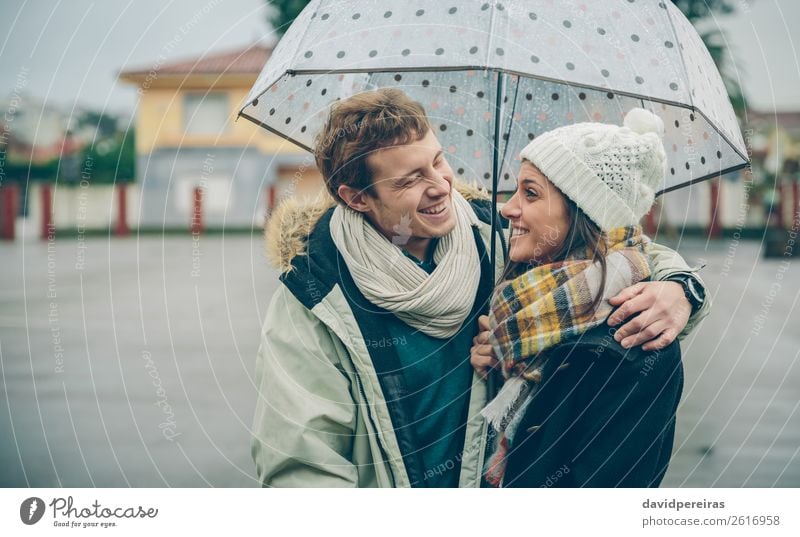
{"points": [[577, 409]]}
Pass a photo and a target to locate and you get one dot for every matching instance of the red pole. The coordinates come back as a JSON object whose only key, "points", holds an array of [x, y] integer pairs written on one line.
{"points": [[788, 190], [271, 197], [122, 210], [777, 208], [197, 211], [47, 211], [9, 195], [714, 229]]}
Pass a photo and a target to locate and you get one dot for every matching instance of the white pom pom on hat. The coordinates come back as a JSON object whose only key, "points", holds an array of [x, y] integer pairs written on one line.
{"points": [[611, 172], [642, 121]]}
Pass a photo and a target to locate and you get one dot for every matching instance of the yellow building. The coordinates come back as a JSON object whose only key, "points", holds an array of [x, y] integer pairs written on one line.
{"points": [[187, 136]]}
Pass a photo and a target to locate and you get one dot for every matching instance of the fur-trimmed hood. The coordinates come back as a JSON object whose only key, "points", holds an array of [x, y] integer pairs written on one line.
{"points": [[288, 228]]}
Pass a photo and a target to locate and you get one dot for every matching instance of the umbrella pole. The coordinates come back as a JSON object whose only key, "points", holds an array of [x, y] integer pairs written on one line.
{"points": [[492, 380]]}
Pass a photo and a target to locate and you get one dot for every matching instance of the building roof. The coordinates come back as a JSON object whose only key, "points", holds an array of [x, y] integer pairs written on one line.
{"points": [[247, 61]]}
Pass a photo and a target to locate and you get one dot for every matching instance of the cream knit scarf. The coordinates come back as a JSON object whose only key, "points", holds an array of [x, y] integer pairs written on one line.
{"points": [[436, 303]]}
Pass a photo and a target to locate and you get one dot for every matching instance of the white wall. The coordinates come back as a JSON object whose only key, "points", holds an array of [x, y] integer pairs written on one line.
{"points": [[92, 207], [95, 207], [691, 206]]}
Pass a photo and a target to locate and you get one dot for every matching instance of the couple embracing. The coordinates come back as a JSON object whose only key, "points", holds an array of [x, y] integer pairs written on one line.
{"points": [[376, 347]]}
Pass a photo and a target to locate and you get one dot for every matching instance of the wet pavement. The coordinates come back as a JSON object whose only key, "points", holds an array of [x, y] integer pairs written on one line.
{"points": [[130, 362], [739, 419]]}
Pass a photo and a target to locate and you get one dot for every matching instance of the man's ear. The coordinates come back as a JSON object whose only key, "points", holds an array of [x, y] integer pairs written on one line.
{"points": [[353, 198]]}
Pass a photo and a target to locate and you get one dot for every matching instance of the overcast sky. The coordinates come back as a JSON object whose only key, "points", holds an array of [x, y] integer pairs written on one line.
{"points": [[71, 50]]}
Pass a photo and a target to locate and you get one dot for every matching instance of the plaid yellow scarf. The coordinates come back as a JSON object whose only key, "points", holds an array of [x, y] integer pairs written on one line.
{"points": [[543, 307]]}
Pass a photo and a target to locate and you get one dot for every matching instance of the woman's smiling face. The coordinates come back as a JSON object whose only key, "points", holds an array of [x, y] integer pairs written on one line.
{"points": [[539, 217]]}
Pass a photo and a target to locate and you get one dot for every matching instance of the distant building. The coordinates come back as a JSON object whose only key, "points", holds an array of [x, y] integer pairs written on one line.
{"points": [[37, 132], [187, 136], [777, 145]]}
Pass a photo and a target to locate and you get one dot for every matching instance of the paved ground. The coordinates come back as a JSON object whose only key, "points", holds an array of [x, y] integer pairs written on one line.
{"points": [[108, 348], [739, 421]]}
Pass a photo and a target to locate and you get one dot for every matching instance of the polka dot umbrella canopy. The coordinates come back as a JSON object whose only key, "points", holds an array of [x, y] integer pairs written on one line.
{"points": [[506, 70]]}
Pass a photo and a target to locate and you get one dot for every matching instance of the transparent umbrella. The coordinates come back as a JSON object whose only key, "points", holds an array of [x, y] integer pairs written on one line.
{"points": [[506, 70]]}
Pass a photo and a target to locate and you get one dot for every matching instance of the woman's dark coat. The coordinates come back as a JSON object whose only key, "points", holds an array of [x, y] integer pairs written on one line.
{"points": [[603, 416]]}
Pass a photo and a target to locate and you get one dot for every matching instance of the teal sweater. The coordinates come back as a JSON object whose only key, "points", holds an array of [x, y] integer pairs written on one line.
{"points": [[438, 375]]}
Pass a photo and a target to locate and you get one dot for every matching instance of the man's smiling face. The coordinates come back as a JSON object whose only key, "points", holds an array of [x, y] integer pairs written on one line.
{"points": [[411, 193]]}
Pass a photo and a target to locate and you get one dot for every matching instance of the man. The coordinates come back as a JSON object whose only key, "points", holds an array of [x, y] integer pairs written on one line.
{"points": [[363, 371]]}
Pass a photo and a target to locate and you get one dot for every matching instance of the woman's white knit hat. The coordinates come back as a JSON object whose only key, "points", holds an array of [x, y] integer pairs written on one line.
{"points": [[610, 172]]}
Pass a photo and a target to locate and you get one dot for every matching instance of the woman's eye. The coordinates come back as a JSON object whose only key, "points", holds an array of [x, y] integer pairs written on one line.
{"points": [[529, 193]]}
